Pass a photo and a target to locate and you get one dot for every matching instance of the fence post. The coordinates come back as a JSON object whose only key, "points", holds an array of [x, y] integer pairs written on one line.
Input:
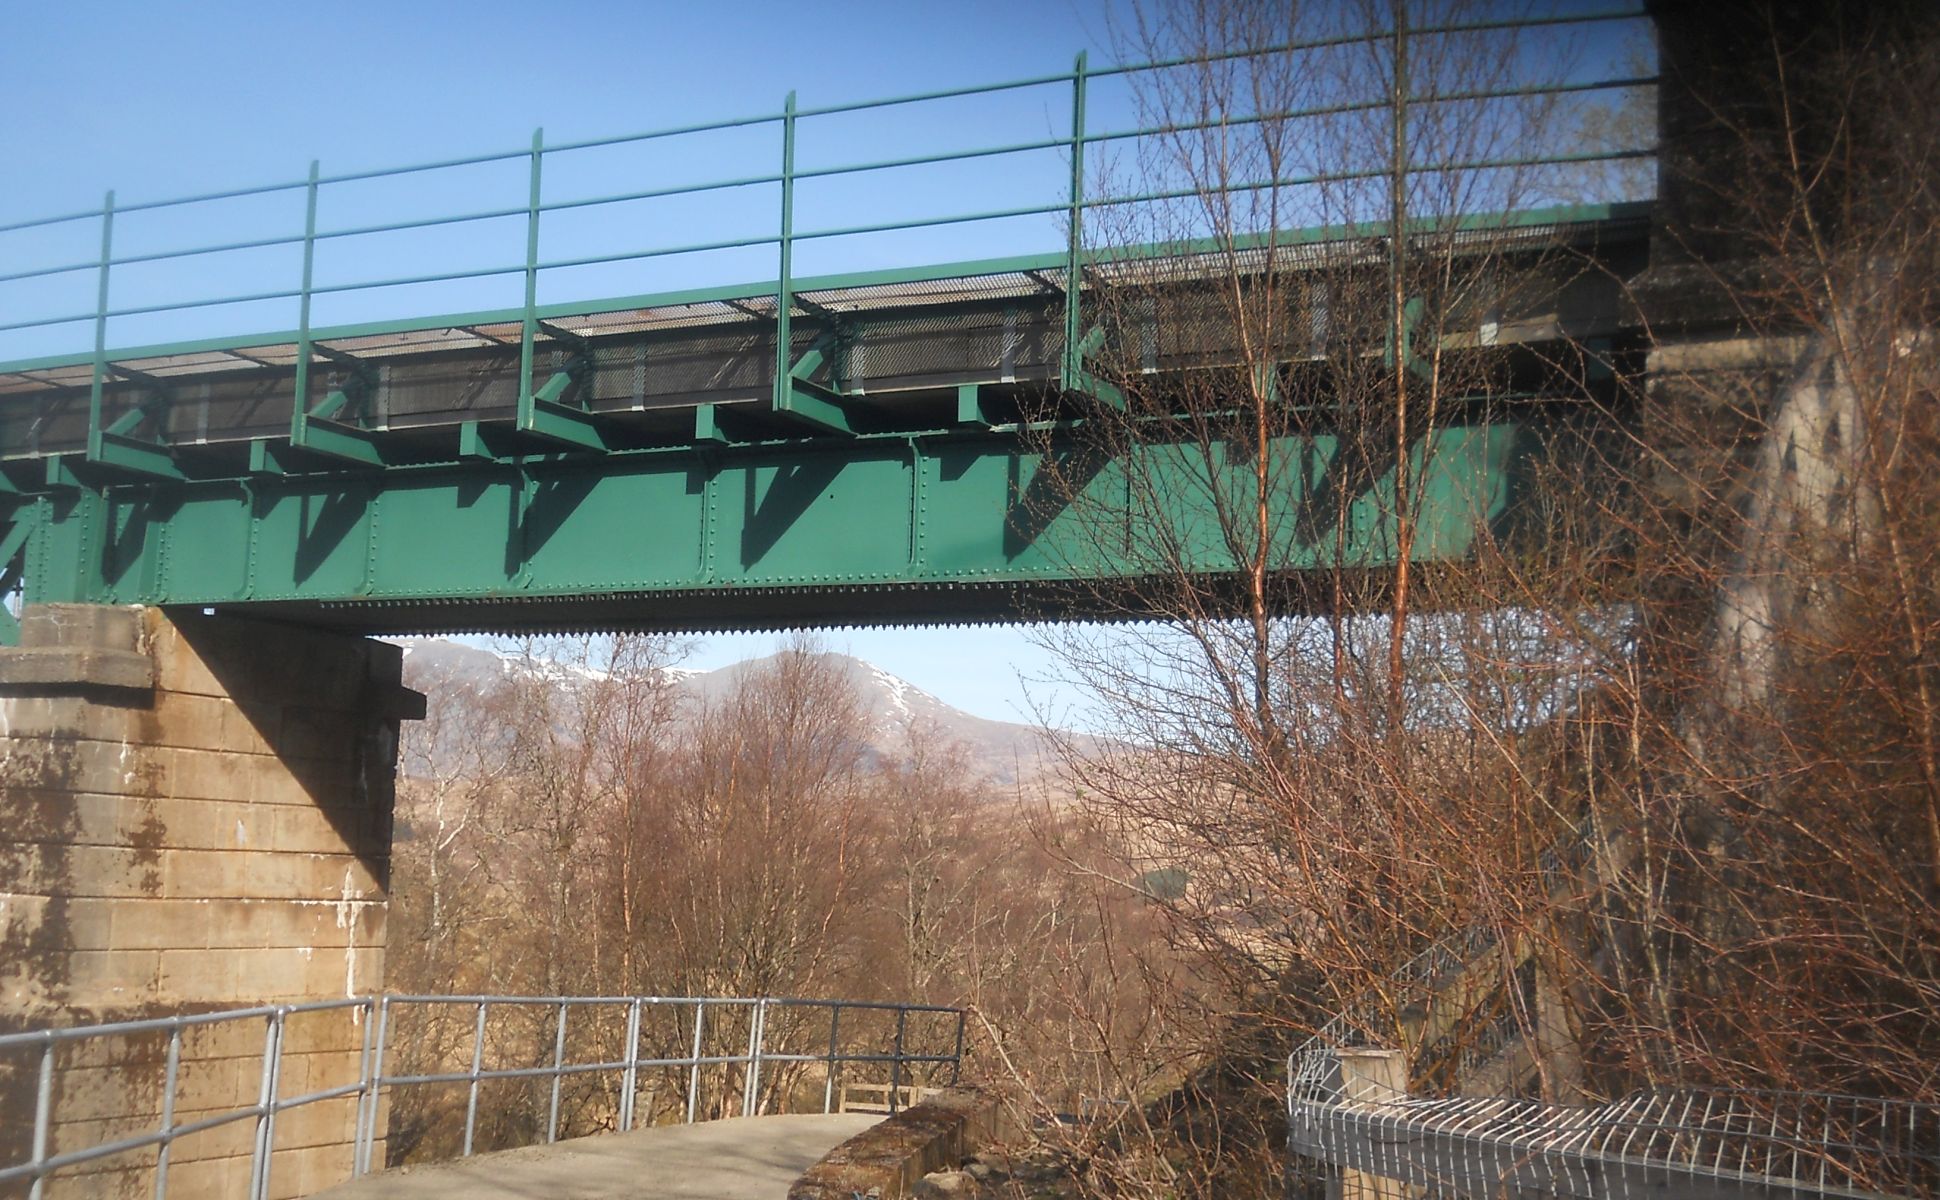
{"points": [[373, 1090], [751, 1075], [266, 1099], [558, 1064], [1370, 1077], [694, 1073], [896, 1063], [828, 1087], [478, 1064], [170, 1074], [630, 1079], [956, 1063], [275, 1100], [43, 1115]]}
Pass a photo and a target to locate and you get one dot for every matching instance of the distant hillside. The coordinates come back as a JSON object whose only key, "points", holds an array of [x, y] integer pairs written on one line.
{"points": [[1004, 752]]}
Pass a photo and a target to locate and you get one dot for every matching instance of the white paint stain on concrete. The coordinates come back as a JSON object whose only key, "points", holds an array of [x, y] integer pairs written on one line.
{"points": [[347, 909]]}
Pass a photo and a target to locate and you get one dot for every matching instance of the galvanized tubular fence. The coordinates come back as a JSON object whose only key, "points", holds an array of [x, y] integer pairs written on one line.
{"points": [[922, 1040], [777, 301]]}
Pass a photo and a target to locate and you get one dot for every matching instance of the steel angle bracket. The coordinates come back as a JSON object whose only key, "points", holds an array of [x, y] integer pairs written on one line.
{"points": [[115, 449], [335, 428], [818, 405], [547, 413], [1078, 378]]}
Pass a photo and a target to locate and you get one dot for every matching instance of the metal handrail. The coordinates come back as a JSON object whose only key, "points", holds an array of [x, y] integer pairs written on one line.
{"points": [[781, 238], [374, 1017]]}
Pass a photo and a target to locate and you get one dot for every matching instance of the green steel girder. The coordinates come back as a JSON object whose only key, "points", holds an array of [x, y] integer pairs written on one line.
{"points": [[943, 511]]}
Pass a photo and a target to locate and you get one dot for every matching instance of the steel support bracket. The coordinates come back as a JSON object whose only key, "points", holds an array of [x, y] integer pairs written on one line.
{"points": [[707, 425], [1080, 381], [120, 454], [335, 427], [970, 405], [545, 415], [817, 405], [115, 450], [562, 423], [347, 443]]}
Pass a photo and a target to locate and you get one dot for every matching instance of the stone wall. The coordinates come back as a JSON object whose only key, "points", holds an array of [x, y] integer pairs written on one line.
{"points": [[195, 815]]}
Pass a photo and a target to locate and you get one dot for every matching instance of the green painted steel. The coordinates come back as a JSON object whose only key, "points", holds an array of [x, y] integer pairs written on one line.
{"points": [[964, 509], [337, 514]]}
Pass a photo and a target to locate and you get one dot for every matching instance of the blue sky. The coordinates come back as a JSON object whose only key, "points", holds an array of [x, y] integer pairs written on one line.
{"points": [[161, 99]]}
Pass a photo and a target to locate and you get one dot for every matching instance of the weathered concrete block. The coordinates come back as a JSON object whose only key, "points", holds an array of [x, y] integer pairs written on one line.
{"points": [[72, 716], [196, 814], [81, 626], [66, 667], [111, 978], [34, 766]]}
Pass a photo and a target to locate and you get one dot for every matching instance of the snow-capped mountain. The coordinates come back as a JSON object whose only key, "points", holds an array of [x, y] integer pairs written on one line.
{"points": [[1005, 752]]}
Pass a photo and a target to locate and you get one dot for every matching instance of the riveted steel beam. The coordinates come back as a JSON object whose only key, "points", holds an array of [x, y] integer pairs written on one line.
{"points": [[754, 524]]}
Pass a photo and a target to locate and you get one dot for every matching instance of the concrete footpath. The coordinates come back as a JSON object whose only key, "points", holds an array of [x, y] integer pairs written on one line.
{"points": [[751, 1158]]}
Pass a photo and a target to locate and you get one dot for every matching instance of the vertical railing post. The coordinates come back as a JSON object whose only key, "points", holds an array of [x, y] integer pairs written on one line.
{"points": [[529, 328], [694, 1072], [751, 1073], [558, 1067], [266, 1099], [300, 410], [171, 1073], [956, 1063], [828, 1088], [1074, 266], [374, 1089], [43, 1117], [896, 1063], [368, 1009], [478, 1064], [99, 379], [785, 287], [630, 1079], [282, 1019]]}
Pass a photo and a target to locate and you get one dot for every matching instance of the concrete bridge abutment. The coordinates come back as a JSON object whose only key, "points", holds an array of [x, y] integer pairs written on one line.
{"points": [[195, 815]]}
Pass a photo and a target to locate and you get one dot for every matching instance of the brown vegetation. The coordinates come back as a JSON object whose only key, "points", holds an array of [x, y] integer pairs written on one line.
{"points": [[1640, 791], [575, 828]]}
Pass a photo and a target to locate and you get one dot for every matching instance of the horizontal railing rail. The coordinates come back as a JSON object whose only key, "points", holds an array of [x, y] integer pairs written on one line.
{"points": [[378, 1078]]}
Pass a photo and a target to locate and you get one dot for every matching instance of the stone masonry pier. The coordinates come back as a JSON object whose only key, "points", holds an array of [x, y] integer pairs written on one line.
{"points": [[195, 815]]}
